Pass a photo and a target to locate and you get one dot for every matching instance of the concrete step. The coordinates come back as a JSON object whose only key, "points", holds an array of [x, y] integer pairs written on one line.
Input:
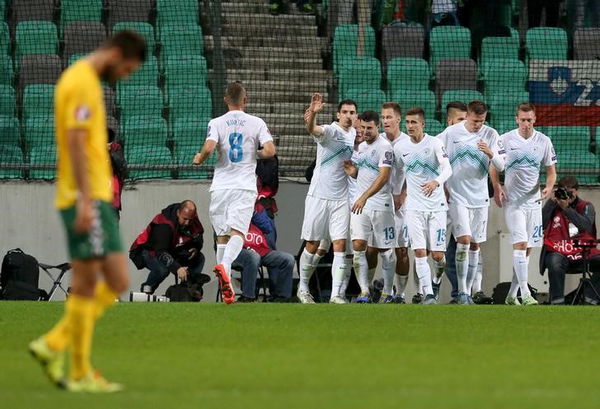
{"points": [[257, 28], [286, 108], [306, 152], [265, 19], [258, 6], [277, 62], [267, 40], [275, 73], [283, 86], [301, 162], [283, 52]]}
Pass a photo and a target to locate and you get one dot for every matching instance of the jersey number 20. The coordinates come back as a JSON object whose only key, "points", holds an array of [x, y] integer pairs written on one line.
{"points": [[236, 153]]}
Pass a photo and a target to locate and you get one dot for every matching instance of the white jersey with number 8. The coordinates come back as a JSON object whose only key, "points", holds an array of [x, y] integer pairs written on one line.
{"points": [[238, 136]]}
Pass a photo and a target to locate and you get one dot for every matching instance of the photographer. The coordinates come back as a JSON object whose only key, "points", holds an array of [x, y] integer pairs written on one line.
{"points": [[566, 217], [171, 243]]}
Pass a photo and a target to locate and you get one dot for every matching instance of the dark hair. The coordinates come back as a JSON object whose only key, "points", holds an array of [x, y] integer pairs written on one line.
{"points": [[359, 117], [131, 44], [568, 181], [416, 111], [460, 106], [369, 116], [477, 107], [392, 105], [235, 93], [347, 102], [526, 107]]}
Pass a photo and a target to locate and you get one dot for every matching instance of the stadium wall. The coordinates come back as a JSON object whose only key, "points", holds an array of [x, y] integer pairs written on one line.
{"points": [[31, 223]]}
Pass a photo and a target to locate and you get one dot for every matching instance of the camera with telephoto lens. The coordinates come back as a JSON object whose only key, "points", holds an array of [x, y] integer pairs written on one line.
{"points": [[562, 193]]}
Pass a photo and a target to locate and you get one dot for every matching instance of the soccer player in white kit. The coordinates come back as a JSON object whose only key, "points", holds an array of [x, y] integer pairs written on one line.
{"points": [[326, 212], [472, 148], [526, 151], [238, 137], [422, 159], [372, 215]]}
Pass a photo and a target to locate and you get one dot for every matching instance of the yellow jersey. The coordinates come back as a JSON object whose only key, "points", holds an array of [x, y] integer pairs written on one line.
{"points": [[79, 104]]}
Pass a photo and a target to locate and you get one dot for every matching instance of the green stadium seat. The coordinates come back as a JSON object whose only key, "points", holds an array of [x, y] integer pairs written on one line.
{"points": [[79, 10], [462, 95], [36, 37], [147, 74], [184, 155], [360, 72], [448, 42], [345, 41], [190, 130], [6, 70], [4, 38], [176, 12], [75, 57], [43, 155], [410, 99], [504, 125], [188, 101], [408, 73], [185, 70], [498, 47], [546, 43], [144, 131], [38, 131], [11, 154], [7, 100], [367, 99], [149, 155], [177, 40], [139, 100], [434, 127], [579, 162], [504, 75], [569, 139], [9, 131], [144, 29], [503, 105], [38, 99]]}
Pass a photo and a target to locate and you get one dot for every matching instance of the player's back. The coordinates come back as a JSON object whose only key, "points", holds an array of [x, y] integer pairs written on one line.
{"points": [[238, 136], [79, 104]]}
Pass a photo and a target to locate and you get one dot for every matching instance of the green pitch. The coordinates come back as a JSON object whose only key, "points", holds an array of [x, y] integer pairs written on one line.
{"points": [[318, 356]]}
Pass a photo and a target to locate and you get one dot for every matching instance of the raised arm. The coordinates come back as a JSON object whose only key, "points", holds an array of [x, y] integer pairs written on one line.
{"points": [[310, 117]]}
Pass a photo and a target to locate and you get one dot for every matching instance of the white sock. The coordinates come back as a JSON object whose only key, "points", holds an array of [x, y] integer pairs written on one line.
{"points": [[514, 286], [347, 274], [520, 265], [400, 282], [472, 271], [388, 268], [478, 276], [220, 251], [234, 246], [424, 274], [361, 269], [317, 259], [462, 267], [440, 267], [338, 272], [307, 268]]}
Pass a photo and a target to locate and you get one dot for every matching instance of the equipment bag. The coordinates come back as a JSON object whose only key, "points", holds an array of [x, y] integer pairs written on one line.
{"points": [[184, 292], [501, 292], [19, 277]]}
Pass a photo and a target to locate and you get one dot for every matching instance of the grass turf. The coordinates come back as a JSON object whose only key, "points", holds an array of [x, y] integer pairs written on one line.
{"points": [[318, 356]]}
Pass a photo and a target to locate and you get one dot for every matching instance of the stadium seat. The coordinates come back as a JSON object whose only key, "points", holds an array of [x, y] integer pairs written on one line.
{"points": [[32, 10], [411, 98], [546, 43], [36, 37], [144, 131], [139, 100], [504, 75], [367, 99], [188, 101], [586, 44], [82, 37], [38, 131], [567, 139], [185, 70], [455, 74], [79, 10], [408, 73], [38, 99], [11, 154], [146, 74], [345, 41], [8, 102], [4, 38], [176, 12], [503, 105], [433, 127], [498, 47], [403, 42], [462, 95], [43, 155], [127, 11], [504, 125], [448, 42], [39, 69], [360, 72], [110, 101], [149, 155], [6, 70], [190, 130], [177, 40], [9, 131], [184, 155], [144, 29]]}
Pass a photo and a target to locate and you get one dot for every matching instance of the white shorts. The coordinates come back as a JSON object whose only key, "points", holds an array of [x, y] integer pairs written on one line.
{"points": [[402, 237], [231, 209], [325, 219], [375, 226], [469, 222], [525, 225], [427, 230]]}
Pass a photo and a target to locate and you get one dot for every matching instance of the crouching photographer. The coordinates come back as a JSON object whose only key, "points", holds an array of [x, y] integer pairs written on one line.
{"points": [[171, 243], [567, 220]]}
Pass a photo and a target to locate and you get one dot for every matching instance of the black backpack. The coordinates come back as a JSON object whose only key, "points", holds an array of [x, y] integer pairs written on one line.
{"points": [[501, 292], [185, 292], [19, 277]]}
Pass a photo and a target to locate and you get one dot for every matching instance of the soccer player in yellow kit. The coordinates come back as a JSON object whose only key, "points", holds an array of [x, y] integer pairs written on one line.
{"points": [[83, 198]]}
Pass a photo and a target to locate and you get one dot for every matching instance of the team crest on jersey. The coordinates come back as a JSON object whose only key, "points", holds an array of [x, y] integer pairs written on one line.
{"points": [[444, 153], [388, 158], [82, 113]]}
